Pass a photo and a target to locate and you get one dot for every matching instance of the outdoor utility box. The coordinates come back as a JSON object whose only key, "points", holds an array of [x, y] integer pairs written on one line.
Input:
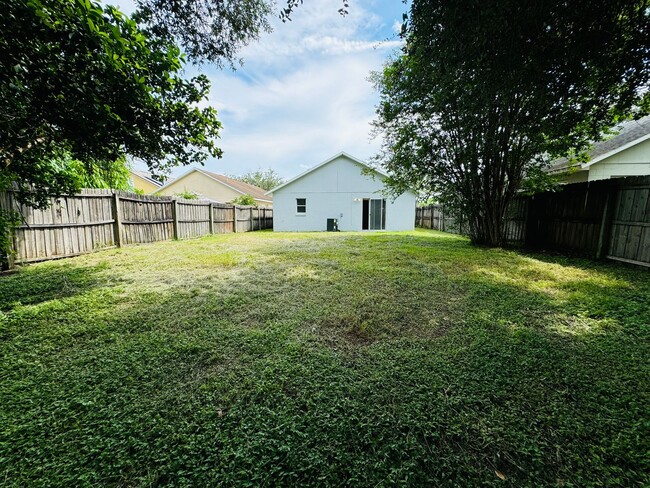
{"points": [[332, 225]]}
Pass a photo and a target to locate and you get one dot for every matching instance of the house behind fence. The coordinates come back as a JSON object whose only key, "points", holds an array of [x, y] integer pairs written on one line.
{"points": [[601, 219], [104, 219]]}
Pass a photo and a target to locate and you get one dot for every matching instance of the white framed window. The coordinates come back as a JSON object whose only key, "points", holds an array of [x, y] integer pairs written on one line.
{"points": [[301, 205]]}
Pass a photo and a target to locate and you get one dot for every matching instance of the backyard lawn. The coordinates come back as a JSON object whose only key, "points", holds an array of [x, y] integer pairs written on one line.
{"points": [[349, 359]]}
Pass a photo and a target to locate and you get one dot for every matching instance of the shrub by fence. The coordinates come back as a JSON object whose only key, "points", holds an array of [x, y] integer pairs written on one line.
{"points": [[103, 219], [600, 219]]}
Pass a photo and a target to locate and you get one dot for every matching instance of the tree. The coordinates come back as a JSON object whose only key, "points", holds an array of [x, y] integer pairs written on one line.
{"points": [[208, 30], [82, 86], [84, 82], [115, 175], [212, 30], [485, 93], [265, 179], [244, 200]]}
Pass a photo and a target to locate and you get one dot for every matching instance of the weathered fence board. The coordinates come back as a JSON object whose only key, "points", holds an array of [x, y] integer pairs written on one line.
{"points": [[102, 219], [606, 218], [630, 233], [193, 218]]}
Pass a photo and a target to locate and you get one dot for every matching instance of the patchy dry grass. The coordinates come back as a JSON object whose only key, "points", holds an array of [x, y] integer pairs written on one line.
{"points": [[324, 359]]}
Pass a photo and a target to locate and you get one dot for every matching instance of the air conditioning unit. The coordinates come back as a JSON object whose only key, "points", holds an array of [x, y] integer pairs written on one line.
{"points": [[332, 225]]}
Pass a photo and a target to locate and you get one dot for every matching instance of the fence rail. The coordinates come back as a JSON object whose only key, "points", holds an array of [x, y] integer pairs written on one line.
{"points": [[103, 219], [601, 219]]}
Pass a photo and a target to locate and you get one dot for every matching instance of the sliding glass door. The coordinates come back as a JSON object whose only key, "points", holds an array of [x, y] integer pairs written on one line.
{"points": [[374, 214]]}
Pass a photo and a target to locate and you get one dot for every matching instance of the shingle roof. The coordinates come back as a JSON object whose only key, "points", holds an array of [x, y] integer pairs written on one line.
{"points": [[256, 192], [627, 132], [147, 176]]}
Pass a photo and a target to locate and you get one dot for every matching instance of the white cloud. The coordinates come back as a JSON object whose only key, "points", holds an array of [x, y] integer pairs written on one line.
{"points": [[302, 94], [334, 45], [297, 118]]}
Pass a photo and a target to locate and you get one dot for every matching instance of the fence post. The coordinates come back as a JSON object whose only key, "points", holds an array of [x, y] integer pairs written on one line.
{"points": [[442, 218], [117, 218], [524, 223], [532, 223], [7, 256], [234, 218], [606, 224], [211, 214], [250, 218], [175, 217], [259, 218]]}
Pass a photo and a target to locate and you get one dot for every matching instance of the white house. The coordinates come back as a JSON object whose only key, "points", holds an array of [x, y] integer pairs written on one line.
{"points": [[627, 153], [338, 189]]}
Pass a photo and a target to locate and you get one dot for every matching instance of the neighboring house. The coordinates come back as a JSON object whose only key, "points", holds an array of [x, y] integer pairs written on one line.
{"points": [[625, 154], [339, 189], [144, 182], [214, 186]]}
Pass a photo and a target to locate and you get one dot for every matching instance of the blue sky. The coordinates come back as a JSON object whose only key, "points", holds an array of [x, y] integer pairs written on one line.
{"points": [[303, 93]]}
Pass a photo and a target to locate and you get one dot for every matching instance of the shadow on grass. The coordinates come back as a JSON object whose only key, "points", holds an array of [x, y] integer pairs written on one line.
{"points": [[464, 362], [31, 285]]}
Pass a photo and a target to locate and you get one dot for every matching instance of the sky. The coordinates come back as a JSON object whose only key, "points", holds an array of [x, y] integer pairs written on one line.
{"points": [[302, 94]]}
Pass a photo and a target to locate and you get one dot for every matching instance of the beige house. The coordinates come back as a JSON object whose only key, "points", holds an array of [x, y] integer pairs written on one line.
{"points": [[214, 186], [143, 182], [627, 153]]}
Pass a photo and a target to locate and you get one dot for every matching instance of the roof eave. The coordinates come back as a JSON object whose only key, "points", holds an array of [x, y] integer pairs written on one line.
{"points": [[619, 149]]}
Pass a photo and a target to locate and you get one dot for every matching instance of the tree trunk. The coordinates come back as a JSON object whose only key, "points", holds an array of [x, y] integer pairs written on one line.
{"points": [[488, 227]]}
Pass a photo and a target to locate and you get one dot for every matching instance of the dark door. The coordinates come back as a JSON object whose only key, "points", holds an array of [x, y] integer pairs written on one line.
{"points": [[365, 214]]}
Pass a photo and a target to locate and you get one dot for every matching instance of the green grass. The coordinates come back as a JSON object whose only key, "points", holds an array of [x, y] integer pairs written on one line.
{"points": [[267, 359]]}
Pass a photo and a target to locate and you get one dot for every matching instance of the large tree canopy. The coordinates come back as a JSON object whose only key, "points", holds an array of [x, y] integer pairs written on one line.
{"points": [[213, 30], [486, 92], [210, 30], [85, 82]]}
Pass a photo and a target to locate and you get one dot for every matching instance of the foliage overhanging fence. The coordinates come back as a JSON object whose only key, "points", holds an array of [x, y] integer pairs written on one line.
{"points": [[102, 219], [600, 219]]}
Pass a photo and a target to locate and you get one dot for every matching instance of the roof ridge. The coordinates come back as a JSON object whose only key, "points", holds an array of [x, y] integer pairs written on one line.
{"points": [[254, 191]]}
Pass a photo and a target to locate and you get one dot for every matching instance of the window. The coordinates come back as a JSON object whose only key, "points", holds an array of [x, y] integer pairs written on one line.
{"points": [[301, 205]]}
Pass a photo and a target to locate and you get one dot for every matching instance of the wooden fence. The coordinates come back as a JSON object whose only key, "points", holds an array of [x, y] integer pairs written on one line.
{"points": [[601, 219], [103, 219]]}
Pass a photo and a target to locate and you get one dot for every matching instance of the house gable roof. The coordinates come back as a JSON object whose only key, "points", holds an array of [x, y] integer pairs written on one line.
{"points": [[239, 186], [327, 161], [147, 177], [244, 188], [630, 133]]}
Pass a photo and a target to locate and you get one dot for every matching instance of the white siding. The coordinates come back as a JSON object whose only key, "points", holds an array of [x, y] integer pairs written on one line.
{"points": [[336, 190], [633, 161]]}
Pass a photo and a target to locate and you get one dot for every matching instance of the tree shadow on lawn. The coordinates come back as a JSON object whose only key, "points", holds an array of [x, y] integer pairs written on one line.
{"points": [[32, 285], [254, 378]]}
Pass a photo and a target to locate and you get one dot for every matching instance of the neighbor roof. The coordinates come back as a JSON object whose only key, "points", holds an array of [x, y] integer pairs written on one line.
{"points": [[329, 160], [239, 186], [244, 188], [147, 176], [629, 133]]}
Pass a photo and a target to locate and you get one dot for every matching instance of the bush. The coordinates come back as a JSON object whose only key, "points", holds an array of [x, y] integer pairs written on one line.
{"points": [[187, 195], [244, 200]]}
